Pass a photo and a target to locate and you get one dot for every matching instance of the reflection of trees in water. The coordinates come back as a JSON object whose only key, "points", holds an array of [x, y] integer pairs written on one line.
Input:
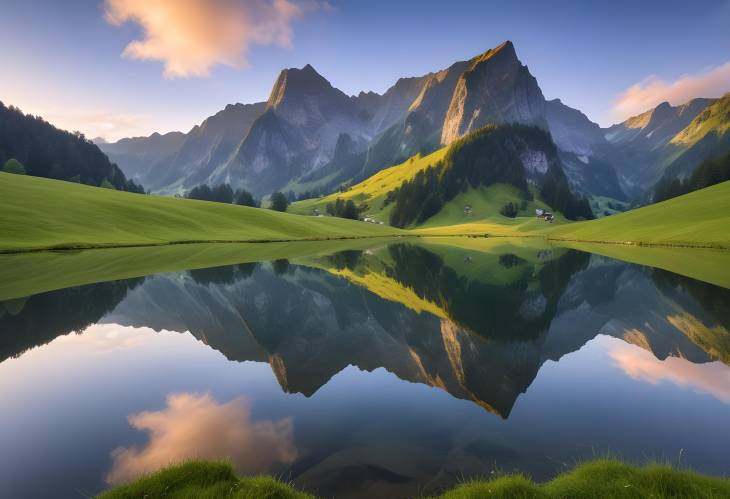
{"points": [[281, 266], [348, 259], [491, 310], [227, 274], [509, 260], [42, 317]]}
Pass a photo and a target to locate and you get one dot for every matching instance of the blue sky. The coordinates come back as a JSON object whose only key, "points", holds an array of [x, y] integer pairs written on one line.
{"points": [[63, 60]]}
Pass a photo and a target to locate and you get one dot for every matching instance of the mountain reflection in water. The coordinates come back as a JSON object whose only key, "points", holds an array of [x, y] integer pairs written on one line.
{"points": [[479, 326]]}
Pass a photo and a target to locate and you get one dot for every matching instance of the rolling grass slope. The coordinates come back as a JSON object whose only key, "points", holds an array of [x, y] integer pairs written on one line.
{"points": [[700, 218], [38, 213], [486, 202]]}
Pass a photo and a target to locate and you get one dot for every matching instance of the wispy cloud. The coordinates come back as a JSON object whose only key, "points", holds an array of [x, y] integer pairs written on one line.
{"points": [[196, 426], [192, 36], [652, 91]]}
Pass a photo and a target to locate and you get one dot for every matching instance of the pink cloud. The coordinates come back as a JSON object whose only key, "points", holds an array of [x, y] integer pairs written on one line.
{"points": [[195, 426], [712, 378], [192, 36], [652, 91]]}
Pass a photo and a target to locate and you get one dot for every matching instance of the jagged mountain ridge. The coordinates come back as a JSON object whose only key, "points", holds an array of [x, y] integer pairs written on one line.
{"points": [[294, 135], [668, 141]]}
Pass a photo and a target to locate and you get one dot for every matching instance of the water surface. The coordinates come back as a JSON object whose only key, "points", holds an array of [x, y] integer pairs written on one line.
{"points": [[392, 371]]}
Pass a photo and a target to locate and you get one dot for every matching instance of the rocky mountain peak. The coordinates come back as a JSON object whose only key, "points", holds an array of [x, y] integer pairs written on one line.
{"points": [[294, 83], [496, 88]]}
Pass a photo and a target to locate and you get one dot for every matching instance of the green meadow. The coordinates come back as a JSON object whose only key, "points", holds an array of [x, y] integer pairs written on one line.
{"points": [[39, 213], [700, 218], [42, 214]]}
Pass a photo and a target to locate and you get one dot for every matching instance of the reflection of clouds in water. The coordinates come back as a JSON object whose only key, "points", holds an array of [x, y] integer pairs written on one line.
{"points": [[195, 426], [107, 337], [712, 378]]}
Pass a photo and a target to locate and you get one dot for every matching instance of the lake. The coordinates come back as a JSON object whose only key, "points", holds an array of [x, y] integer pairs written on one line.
{"points": [[391, 370]]}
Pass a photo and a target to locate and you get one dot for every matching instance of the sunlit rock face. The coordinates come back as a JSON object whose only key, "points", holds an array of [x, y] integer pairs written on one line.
{"points": [[496, 88]]}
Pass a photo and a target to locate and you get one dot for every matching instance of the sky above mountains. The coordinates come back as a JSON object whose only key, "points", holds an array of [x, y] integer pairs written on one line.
{"points": [[116, 68]]}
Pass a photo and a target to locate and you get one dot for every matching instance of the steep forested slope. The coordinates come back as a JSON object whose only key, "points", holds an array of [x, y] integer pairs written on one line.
{"points": [[45, 151]]}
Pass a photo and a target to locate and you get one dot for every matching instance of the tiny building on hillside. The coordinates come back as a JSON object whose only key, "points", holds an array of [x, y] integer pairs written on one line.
{"points": [[467, 209], [544, 214]]}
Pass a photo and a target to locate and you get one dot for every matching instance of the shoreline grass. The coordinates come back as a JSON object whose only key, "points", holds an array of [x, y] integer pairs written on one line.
{"points": [[597, 478], [700, 219], [45, 214], [50, 215]]}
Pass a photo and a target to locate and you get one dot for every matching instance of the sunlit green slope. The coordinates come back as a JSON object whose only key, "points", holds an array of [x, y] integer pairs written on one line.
{"points": [[373, 190], [700, 218], [39, 213]]}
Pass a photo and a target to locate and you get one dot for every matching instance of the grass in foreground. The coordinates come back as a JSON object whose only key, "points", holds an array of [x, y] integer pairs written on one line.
{"points": [[39, 213], [203, 480], [600, 478]]}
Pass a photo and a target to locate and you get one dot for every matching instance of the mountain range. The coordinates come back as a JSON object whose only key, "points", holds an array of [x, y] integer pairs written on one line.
{"points": [[310, 136]]}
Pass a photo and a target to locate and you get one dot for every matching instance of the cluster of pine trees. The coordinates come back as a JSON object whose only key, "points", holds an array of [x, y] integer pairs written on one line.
{"points": [[710, 172], [45, 151], [556, 192], [488, 156], [222, 193], [343, 209]]}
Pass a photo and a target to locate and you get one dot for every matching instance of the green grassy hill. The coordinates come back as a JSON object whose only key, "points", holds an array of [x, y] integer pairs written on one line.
{"points": [[486, 203], [700, 218], [374, 190], [39, 213]]}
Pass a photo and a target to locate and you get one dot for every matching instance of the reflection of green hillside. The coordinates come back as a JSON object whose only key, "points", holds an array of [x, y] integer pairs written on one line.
{"points": [[494, 294], [711, 335]]}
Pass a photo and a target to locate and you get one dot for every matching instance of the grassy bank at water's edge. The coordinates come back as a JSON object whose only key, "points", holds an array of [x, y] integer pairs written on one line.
{"points": [[700, 218], [39, 213], [599, 478], [42, 214]]}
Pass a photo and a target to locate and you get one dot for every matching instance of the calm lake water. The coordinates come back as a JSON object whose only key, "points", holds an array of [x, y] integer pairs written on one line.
{"points": [[389, 372]]}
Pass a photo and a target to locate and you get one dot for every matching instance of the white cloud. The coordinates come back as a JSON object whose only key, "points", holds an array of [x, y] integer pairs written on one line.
{"points": [[192, 36], [652, 91], [195, 426]]}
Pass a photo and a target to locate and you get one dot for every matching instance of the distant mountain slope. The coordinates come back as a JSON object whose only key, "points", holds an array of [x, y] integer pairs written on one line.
{"points": [[138, 154], [311, 135], [668, 141], [192, 158], [656, 127], [46, 151], [707, 136]]}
